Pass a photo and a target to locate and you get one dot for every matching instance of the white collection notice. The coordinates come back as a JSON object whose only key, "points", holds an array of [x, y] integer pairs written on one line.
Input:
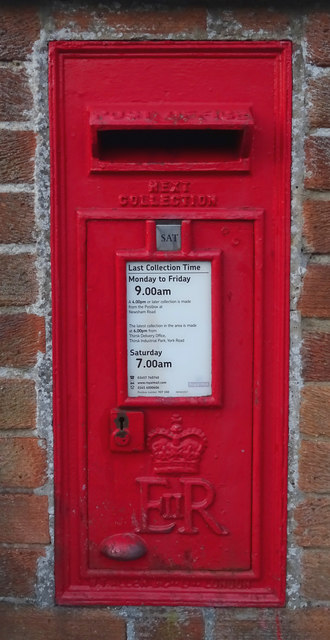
{"points": [[169, 329]]}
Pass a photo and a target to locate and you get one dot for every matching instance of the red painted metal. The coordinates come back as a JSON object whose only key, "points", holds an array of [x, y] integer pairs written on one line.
{"points": [[170, 500], [124, 546]]}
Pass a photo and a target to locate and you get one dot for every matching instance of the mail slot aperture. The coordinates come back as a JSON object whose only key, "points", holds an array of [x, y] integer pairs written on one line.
{"points": [[149, 146]]}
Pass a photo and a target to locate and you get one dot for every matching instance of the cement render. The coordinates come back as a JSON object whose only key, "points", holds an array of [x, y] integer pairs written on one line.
{"points": [[37, 68]]}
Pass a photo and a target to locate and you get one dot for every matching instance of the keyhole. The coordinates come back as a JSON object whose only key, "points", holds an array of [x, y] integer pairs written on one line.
{"points": [[121, 436], [122, 423]]}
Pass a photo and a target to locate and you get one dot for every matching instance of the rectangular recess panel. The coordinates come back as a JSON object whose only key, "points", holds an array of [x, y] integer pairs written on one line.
{"points": [[156, 505], [180, 314], [174, 497]]}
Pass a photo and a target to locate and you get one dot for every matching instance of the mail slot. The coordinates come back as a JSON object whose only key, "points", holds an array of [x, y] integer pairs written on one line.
{"points": [[170, 247]]}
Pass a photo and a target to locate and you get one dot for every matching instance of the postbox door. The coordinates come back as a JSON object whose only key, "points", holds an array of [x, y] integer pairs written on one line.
{"points": [[176, 478]]}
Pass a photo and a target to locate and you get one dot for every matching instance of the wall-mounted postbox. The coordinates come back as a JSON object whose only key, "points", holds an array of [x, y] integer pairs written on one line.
{"points": [[170, 186]]}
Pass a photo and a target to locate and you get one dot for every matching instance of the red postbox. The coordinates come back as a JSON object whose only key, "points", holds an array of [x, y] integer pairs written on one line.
{"points": [[170, 245]]}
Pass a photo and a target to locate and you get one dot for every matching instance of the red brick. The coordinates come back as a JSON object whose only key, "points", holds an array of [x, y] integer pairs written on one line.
{"points": [[317, 225], [19, 28], [60, 623], [22, 463], [315, 410], [17, 154], [317, 38], [313, 522], [21, 337], [250, 18], [303, 624], [67, 623], [315, 298], [314, 466], [267, 19], [17, 404], [16, 97], [258, 626], [317, 150], [24, 519], [189, 21], [16, 217], [78, 19], [319, 99], [18, 572], [166, 627], [316, 356], [316, 575], [18, 284], [280, 624]]}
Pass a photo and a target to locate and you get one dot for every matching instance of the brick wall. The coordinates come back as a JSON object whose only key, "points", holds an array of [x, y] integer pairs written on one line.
{"points": [[26, 527]]}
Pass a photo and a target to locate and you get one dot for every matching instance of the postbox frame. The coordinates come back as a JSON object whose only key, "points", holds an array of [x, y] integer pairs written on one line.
{"points": [[73, 578]]}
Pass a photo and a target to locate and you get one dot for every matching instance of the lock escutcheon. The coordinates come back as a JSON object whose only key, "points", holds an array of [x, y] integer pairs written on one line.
{"points": [[126, 431], [121, 436]]}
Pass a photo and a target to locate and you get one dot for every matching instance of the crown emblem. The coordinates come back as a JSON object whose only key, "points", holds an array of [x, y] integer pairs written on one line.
{"points": [[177, 450]]}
